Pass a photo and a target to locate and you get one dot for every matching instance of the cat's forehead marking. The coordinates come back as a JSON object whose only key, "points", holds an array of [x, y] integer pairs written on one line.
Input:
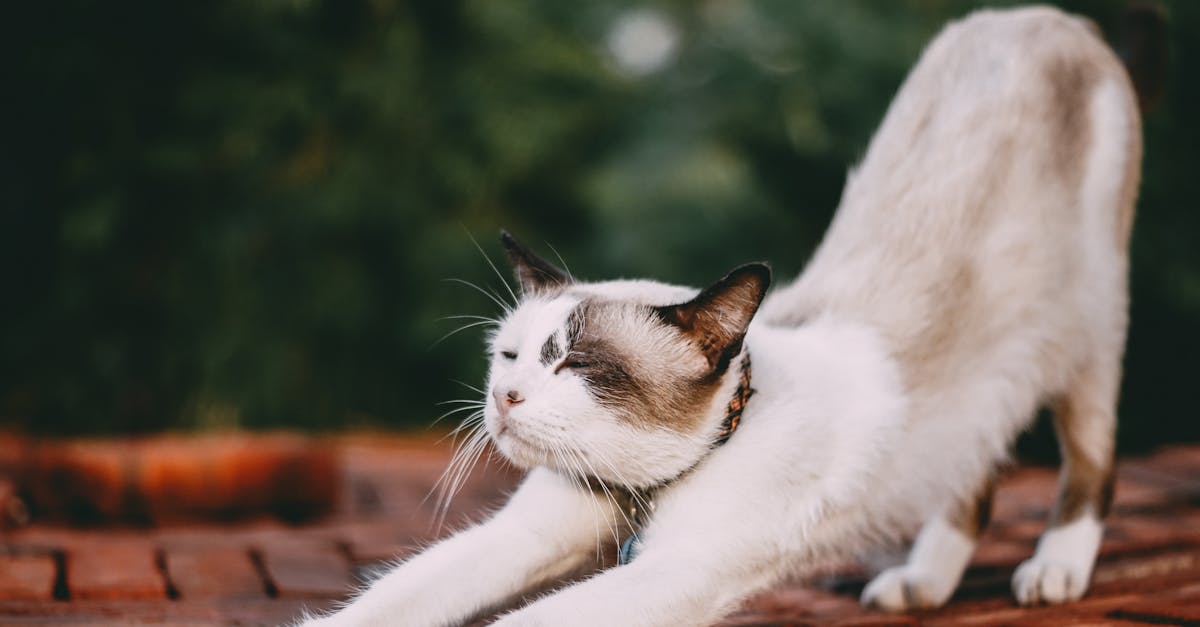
{"points": [[551, 350]]}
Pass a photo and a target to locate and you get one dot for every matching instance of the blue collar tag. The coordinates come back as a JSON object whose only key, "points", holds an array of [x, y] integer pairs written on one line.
{"points": [[629, 549]]}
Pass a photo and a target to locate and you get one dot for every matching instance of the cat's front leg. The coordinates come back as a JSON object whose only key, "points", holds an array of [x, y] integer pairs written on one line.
{"points": [[549, 528], [700, 558], [667, 589]]}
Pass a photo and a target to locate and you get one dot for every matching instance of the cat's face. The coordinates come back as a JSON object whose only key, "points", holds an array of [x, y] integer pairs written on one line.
{"points": [[615, 380]]}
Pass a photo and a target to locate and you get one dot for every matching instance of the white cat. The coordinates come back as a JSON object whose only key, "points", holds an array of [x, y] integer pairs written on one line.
{"points": [[975, 270]]}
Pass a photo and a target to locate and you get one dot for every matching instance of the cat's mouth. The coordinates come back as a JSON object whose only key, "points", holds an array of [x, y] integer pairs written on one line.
{"points": [[516, 445]]}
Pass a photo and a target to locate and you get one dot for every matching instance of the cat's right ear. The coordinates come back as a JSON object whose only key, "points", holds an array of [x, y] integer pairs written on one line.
{"points": [[716, 320], [533, 273]]}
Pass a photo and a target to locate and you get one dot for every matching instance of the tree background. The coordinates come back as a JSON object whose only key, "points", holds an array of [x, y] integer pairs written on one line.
{"points": [[242, 213]]}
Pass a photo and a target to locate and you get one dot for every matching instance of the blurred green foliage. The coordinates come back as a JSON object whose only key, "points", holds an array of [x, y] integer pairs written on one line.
{"points": [[243, 213]]}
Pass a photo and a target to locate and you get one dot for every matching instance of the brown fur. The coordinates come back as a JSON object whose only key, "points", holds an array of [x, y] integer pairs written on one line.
{"points": [[971, 516], [670, 398], [1071, 83], [1087, 480], [1129, 187], [550, 352]]}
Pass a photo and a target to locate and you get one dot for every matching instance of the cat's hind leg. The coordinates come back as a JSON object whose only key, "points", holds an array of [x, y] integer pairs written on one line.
{"points": [[1085, 421], [939, 556]]}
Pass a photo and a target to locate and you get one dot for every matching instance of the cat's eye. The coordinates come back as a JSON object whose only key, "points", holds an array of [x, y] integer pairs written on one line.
{"points": [[572, 364], [509, 355]]}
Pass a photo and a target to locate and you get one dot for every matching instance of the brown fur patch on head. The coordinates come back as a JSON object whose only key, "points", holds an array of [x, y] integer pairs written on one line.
{"points": [[637, 366], [660, 366], [550, 352]]}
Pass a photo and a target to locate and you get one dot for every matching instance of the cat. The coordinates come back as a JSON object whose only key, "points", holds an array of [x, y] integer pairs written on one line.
{"points": [[729, 439]]}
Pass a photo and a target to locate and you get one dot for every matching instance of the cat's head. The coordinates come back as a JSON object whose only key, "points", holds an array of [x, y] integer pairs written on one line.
{"points": [[625, 381]]}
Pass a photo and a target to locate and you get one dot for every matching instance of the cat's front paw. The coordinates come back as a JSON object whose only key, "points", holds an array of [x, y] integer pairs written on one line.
{"points": [[1040, 580], [901, 588]]}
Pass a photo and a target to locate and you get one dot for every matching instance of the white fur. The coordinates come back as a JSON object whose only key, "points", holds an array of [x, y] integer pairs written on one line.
{"points": [[957, 289], [1062, 566], [934, 567]]}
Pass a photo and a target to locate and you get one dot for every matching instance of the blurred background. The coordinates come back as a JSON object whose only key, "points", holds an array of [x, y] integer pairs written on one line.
{"points": [[244, 213]]}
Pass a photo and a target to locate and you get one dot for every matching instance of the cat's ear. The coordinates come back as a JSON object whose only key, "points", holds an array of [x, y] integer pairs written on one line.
{"points": [[716, 320], [533, 273]]}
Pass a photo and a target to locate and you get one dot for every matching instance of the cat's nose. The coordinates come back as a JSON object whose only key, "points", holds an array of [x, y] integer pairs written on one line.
{"points": [[506, 399]]}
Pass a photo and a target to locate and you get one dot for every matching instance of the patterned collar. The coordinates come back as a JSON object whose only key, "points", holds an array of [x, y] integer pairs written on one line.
{"points": [[737, 404]]}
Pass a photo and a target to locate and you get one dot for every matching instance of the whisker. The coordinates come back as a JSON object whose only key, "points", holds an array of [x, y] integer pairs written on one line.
{"points": [[455, 411], [581, 459], [468, 386], [460, 329], [491, 295], [469, 317], [577, 474], [464, 401], [493, 266], [467, 422], [562, 261], [459, 470], [638, 500]]}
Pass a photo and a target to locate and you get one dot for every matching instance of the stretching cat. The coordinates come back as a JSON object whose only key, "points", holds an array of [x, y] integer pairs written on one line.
{"points": [[975, 271]]}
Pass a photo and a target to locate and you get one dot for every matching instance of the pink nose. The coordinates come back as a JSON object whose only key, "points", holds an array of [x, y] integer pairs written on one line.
{"points": [[506, 400]]}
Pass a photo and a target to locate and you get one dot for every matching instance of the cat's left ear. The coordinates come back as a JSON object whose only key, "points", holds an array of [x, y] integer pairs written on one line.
{"points": [[534, 273], [716, 320]]}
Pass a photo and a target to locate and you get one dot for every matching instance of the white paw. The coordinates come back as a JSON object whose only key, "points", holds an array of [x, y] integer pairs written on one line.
{"points": [[900, 589], [1039, 580]]}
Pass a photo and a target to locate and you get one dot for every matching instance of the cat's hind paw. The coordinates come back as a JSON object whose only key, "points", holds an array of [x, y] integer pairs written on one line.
{"points": [[901, 589], [1041, 581]]}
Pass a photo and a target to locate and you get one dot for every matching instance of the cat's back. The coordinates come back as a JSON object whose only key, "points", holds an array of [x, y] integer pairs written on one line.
{"points": [[996, 192], [998, 94], [998, 116]]}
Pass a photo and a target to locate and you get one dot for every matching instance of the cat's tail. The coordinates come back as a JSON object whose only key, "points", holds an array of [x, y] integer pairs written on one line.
{"points": [[1141, 42]]}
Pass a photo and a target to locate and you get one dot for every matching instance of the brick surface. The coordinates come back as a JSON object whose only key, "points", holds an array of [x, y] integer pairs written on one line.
{"points": [[304, 569], [125, 570], [264, 570], [180, 612], [27, 577], [221, 573]]}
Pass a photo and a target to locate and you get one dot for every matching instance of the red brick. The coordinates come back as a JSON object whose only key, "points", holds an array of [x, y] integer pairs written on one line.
{"points": [[1161, 612], [1132, 491], [1149, 567], [26, 577], [374, 542], [1026, 493], [222, 573], [1002, 553], [179, 612], [1017, 530], [815, 601], [117, 571], [1121, 573], [1180, 461], [300, 569]]}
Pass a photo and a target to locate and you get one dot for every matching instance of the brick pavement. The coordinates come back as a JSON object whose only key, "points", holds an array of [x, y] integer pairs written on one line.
{"points": [[262, 571]]}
